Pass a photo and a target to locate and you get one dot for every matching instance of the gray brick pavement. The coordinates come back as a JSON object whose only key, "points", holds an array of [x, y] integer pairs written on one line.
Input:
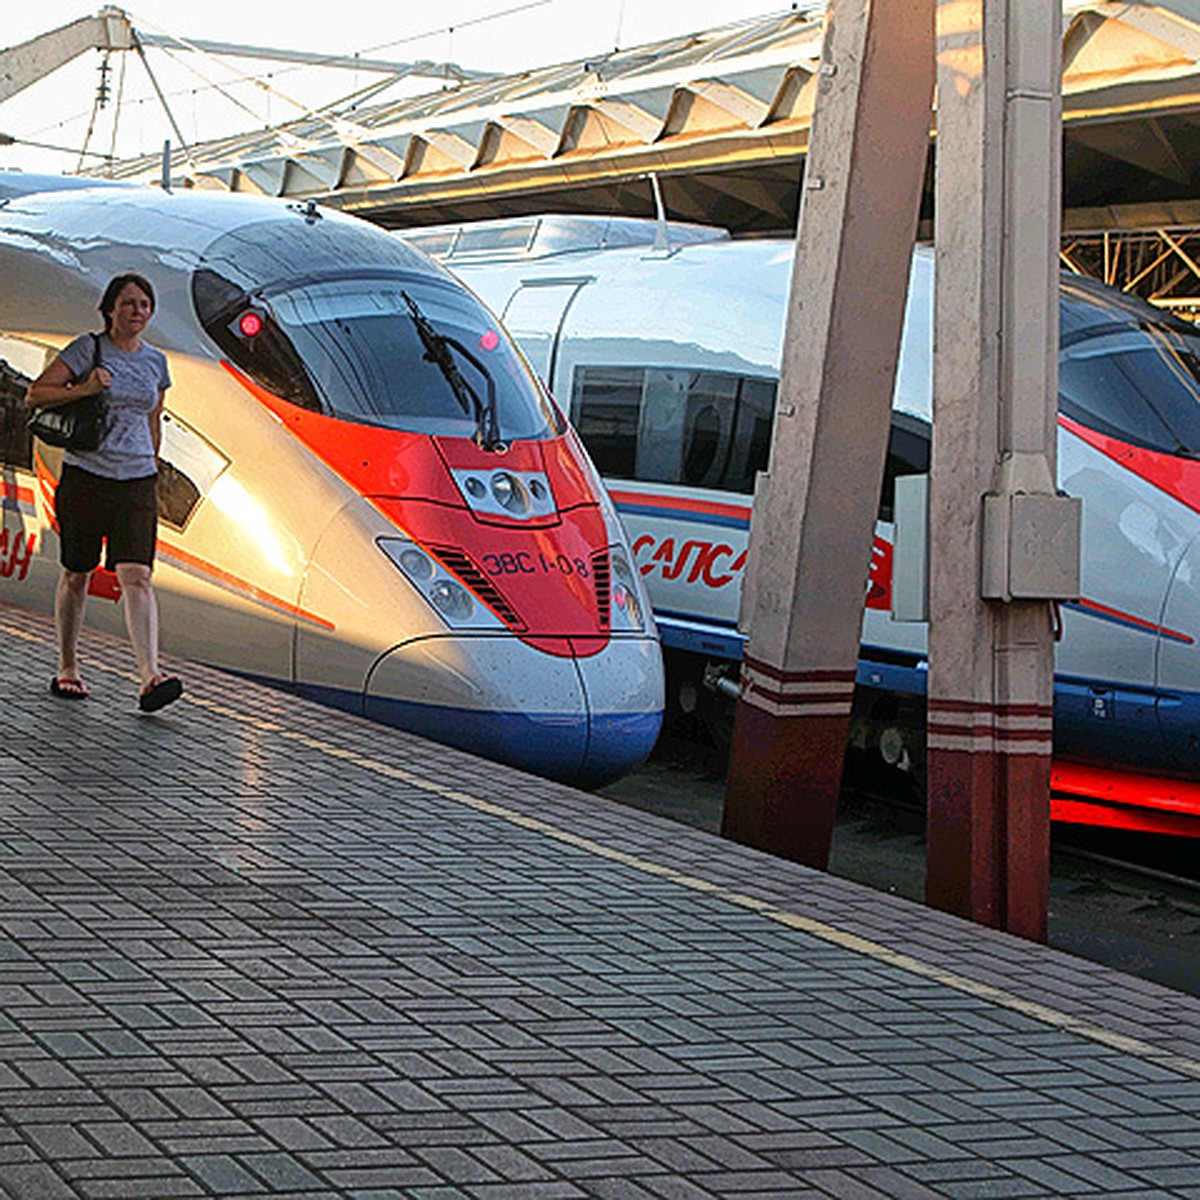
{"points": [[253, 948]]}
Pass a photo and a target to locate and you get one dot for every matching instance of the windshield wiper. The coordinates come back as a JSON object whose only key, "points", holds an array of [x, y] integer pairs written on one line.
{"points": [[437, 351]]}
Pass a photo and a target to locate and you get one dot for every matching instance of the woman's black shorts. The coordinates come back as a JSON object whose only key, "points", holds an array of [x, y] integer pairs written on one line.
{"points": [[92, 509]]}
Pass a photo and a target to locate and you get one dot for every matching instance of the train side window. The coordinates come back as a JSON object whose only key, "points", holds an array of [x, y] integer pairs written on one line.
{"points": [[907, 454], [188, 468], [752, 435], [20, 363], [673, 425], [704, 440], [664, 415], [712, 412], [607, 403]]}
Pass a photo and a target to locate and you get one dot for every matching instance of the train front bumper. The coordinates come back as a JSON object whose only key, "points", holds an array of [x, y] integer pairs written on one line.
{"points": [[584, 721]]}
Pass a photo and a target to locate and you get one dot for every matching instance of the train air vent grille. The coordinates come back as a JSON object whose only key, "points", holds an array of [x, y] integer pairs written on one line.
{"points": [[602, 574], [465, 567]]}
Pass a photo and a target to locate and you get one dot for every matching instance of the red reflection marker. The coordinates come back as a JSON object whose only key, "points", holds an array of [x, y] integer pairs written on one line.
{"points": [[251, 324], [490, 340]]}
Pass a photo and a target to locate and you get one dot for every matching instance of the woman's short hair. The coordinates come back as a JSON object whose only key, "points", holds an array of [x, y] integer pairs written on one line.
{"points": [[108, 301]]}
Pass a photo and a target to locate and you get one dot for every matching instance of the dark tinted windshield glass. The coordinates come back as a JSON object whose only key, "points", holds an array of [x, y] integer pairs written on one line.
{"points": [[1127, 371], [326, 315]]}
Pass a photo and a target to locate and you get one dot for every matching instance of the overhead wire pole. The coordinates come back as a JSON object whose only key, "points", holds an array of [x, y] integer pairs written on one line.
{"points": [[814, 513]]}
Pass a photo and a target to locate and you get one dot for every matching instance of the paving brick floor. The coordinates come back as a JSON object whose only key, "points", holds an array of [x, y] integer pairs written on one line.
{"points": [[251, 947]]}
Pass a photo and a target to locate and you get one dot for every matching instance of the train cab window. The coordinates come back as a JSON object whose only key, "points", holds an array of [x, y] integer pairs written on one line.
{"points": [[267, 357], [1128, 370], [20, 363], [362, 328], [1138, 384]]}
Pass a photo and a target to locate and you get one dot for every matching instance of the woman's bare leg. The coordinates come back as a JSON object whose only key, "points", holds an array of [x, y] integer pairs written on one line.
{"points": [[141, 619], [70, 601]]}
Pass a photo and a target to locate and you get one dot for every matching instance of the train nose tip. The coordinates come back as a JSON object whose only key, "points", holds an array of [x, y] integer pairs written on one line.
{"points": [[583, 722], [625, 697], [617, 744]]}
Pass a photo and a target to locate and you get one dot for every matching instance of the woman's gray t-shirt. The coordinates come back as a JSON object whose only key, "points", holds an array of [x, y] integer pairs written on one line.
{"points": [[139, 377]]}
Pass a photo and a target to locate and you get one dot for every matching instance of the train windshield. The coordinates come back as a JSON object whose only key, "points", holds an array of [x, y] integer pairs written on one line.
{"points": [[359, 327], [1130, 372]]}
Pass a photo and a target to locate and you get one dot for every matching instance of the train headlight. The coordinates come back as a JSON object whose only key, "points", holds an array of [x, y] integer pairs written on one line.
{"points": [[628, 606], [416, 565], [508, 492], [451, 599], [454, 603], [519, 495]]}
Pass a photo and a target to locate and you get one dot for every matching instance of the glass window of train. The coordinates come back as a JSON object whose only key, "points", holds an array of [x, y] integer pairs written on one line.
{"points": [[363, 351], [751, 435], [907, 454], [20, 363], [712, 409], [1137, 384], [189, 467], [607, 403], [269, 358], [660, 434]]}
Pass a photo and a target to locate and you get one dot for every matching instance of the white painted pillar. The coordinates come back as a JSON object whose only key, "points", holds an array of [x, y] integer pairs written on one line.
{"points": [[814, 515], [1005, 545]]}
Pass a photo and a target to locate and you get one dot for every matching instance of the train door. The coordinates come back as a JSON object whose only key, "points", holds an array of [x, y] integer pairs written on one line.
{"points": [[534, 315], [1178, 663]]}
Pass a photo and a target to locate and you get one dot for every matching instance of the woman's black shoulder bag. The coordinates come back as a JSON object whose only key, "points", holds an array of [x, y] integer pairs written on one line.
{"points": [[78, 424]]}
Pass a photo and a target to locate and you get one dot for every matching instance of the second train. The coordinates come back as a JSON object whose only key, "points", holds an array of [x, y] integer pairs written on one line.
{"points": [[665, 344]]}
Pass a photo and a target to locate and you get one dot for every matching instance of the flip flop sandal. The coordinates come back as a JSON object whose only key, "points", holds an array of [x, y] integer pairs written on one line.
{"points": [[165, 692], [69, 689]]}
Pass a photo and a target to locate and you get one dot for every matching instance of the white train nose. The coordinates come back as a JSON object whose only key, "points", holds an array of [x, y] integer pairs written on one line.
{"points": [[586, 721], [625, 695]]}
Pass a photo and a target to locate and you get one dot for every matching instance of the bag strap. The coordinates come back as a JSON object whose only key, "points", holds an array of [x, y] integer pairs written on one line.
{"points": [[96, 359]]}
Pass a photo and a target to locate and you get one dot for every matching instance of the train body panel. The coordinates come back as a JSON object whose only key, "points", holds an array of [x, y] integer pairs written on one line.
{"points": [[356, 463], [668, 363]]}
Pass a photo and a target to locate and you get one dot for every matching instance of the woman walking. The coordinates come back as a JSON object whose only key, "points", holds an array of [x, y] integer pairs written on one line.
{"points": [[108, 495]]}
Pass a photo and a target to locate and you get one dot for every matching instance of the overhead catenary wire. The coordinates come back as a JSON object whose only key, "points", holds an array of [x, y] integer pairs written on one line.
{"points": [[336, 113]]}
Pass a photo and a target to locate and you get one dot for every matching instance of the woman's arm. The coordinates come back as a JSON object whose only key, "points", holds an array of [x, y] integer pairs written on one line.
{"points": [[156, 423], [56, 385]]}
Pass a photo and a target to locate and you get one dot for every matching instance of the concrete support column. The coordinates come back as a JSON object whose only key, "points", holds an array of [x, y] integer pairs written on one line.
{"points": [[1006, 544], [815, 513]]}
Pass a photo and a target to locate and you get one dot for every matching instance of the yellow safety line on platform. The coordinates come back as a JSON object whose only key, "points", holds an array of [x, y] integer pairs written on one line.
{"points": [[819, 929], [828, 933]]}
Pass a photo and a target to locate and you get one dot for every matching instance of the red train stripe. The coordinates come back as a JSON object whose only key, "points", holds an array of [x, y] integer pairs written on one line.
{"points": [[1177, 477], [668, 503], [244, 586]]}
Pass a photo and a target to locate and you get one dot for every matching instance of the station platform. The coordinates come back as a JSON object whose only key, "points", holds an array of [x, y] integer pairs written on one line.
{"points": [[252, 947]]}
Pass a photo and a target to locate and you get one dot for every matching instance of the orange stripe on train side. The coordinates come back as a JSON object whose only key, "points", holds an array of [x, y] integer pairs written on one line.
{"points": [[253, 591]]}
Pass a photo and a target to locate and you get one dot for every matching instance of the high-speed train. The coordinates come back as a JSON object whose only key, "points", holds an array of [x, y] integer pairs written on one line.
{"points": [[665, 343], [366, 495]]}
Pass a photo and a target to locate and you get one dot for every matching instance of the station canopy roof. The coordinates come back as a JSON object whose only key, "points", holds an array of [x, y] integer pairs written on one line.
{"points": [[721, 118]]}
